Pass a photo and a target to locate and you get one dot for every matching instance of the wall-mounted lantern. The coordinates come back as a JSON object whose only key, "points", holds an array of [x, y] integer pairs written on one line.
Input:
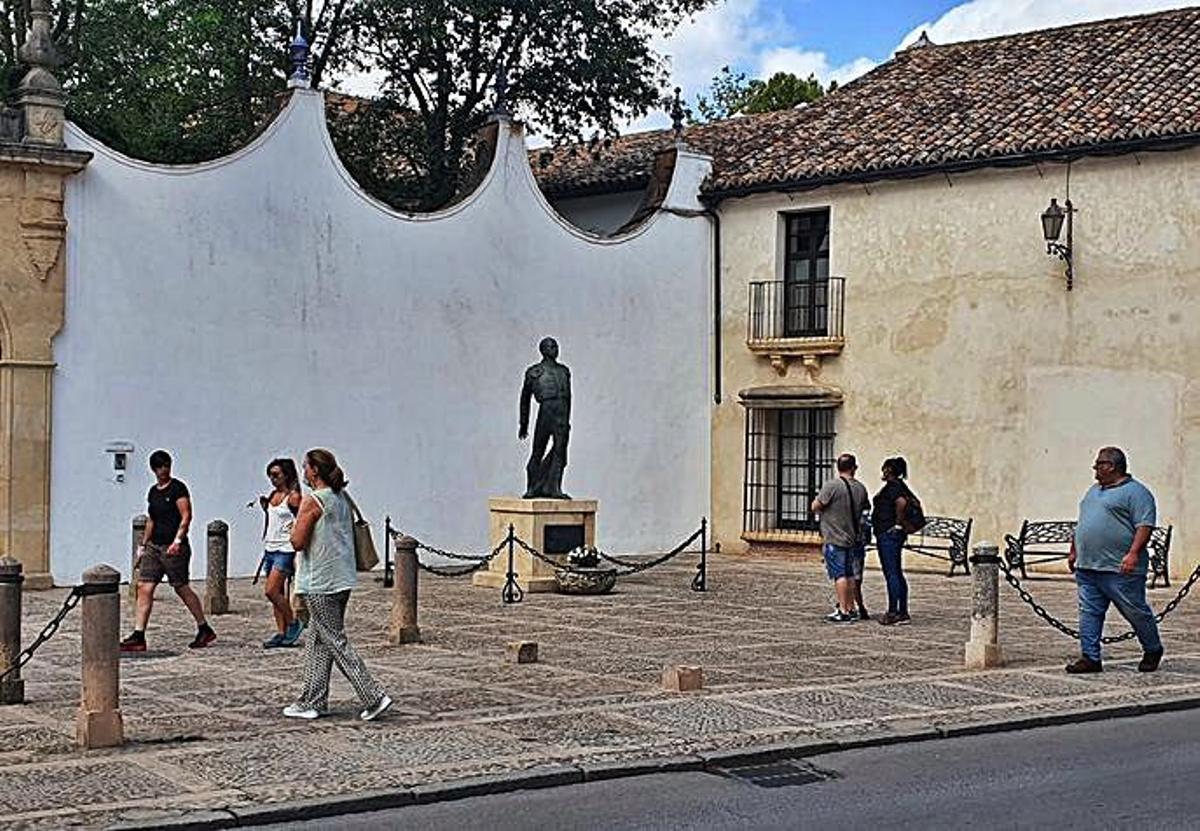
{"points": [[1052, 222]]}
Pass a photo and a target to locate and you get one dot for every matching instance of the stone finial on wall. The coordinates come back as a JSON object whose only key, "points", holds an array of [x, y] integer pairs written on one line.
{"points": [[40, 95]]}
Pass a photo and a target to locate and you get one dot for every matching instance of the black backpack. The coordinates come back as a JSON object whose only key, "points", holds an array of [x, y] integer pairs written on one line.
{"points": [[914, 515]]}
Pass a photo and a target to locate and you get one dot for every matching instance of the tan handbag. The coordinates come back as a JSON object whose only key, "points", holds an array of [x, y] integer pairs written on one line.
{"points": [[365, 556]]}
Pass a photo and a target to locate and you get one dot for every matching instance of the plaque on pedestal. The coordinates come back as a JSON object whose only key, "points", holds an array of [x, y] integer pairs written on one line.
{"points": [[554, 527]]}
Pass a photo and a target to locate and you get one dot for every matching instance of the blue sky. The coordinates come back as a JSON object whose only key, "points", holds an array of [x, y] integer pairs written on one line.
{"points": [[841, 39], [850, 29]]}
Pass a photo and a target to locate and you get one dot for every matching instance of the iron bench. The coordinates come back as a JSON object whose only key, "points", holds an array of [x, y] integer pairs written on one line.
{"points": [[943, 538], [1047, 541]]}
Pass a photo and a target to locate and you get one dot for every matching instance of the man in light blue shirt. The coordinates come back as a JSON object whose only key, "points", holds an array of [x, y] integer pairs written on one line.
{"points": [[1109, 558]]}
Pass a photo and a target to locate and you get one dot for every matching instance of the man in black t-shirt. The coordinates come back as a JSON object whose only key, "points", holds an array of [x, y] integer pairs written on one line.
{"points": [[165, 551]]}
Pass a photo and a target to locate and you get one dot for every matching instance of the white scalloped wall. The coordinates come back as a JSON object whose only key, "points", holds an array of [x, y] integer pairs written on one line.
{"points": [[262, 304]]}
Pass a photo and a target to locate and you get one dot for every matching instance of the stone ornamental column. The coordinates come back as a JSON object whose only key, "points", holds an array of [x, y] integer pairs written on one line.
{"points": [[34, 165], [983, 648], [216, 596], [403, 626], [135, 570], [99, 723], [12, 688]]}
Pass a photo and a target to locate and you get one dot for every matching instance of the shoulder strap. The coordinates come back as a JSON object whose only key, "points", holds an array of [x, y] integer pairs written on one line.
{"points": [[358, 517], [854, 518]]}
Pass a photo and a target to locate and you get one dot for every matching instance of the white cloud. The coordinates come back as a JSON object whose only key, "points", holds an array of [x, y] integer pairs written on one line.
{"points": [[989, 18], [803, 63], [731, 33]]}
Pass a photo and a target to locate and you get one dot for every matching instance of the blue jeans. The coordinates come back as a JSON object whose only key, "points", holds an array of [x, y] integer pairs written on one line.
{"points": [[1128, 592], [890, 544]]}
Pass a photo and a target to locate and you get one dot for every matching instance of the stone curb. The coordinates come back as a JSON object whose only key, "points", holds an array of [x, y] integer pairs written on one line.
{"points": [[552, 776]]}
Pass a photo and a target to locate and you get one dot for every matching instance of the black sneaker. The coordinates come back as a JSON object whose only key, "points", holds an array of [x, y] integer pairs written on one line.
{"points": [[863, 614], [1150, 661], [204, 636], [136, 642], [1084, 665]]}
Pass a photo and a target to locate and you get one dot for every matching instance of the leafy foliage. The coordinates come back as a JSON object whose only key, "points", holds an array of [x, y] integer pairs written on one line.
{"points": [[185, 80], [732, 94]]}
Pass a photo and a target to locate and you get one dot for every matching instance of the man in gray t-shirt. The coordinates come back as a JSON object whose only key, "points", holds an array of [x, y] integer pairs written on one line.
{"points": [[840, 504], [1108, 556]]}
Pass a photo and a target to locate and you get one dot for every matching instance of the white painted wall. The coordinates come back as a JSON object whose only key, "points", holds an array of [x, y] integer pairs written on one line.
{"points": [[261, 305], [601, 214]]}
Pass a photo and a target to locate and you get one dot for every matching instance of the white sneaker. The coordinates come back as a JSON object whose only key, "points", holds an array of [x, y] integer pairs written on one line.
{"points": [[297, 711], [379, 709]]}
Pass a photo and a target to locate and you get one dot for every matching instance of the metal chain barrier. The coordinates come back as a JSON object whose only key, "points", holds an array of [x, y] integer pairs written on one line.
{"points": [[474, 562], [1041, 612], [627, 567], [49, 630]]}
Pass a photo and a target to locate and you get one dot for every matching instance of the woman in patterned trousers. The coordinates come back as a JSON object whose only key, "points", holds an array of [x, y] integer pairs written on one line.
{"points": [[323, 537]]}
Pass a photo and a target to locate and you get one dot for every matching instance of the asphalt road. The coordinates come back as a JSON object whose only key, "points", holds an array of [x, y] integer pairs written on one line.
{"points": [[1139, 772]]}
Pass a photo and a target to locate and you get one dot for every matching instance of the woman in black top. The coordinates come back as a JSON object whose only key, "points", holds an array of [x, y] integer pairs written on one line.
{"points": [[887, 513]]}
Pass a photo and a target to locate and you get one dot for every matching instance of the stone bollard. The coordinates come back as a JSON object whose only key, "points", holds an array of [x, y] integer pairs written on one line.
{"points": [[12, 688], [683, 678], [216, 596], [403, 626], [99, 723], [521, 652], [983, 648], [139, 531]]}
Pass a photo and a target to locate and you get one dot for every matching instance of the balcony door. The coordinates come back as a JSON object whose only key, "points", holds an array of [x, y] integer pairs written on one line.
{"points": [[806, 275]]}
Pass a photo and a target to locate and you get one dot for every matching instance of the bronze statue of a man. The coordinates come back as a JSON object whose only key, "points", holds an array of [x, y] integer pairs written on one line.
{"points": [[550, 383]]}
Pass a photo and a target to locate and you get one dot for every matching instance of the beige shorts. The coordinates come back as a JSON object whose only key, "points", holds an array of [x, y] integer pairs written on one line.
{"points": [[156, 563]]}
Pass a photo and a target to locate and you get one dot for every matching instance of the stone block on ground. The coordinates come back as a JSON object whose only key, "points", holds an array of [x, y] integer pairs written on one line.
{"points": [[521, 652], [683, 678]]}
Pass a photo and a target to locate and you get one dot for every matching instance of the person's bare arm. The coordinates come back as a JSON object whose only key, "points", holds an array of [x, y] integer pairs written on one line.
{"points": [[1141, 537], [306, 520], [148, 532], [293, 502], [184, 504]]}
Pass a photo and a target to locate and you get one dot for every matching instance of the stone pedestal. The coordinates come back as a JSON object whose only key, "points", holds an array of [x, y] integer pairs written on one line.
{"points": [[216, 593], [554, 527]]}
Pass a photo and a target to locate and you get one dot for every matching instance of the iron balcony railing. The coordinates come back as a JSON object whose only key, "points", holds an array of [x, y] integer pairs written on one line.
{"points": [[781, 310]]}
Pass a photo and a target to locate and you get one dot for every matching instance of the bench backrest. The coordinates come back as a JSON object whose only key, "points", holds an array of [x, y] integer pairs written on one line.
{"points": [[956, 532], [1060, 532]]}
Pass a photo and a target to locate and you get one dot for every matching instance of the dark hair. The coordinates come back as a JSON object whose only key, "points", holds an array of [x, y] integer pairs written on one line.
{"points": [[1117, 456], [288, 468], [325, 463], [897, 466], [846, 463], [160, 458]]}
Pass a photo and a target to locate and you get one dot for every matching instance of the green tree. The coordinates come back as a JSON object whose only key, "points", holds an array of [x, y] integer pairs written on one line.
{"points": [[732, 94], [184, 80]]}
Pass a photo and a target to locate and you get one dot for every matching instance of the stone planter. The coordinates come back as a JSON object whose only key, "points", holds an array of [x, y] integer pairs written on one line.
{"points": [[586, 580]]}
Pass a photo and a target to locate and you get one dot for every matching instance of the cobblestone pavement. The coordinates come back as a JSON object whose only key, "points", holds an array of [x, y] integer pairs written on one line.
{"points": [[205, 730]]}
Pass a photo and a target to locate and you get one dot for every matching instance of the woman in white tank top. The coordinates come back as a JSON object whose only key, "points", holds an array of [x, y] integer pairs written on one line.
{"points": [[279, 558]]}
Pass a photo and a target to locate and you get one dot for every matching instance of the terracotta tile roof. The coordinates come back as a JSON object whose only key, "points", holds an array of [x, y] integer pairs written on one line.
{"points": [[1106, 86]]}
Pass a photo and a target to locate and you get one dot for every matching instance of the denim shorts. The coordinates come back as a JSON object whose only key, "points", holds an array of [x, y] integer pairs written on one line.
{"points": [[844, 562], [282, 561]]}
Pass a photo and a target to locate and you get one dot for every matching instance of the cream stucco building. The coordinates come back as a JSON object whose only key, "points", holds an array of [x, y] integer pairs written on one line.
{"points": [[884, 286]]}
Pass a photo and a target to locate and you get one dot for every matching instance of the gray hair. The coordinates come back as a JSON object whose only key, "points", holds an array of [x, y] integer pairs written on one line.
{"points": [[1117, 456]]}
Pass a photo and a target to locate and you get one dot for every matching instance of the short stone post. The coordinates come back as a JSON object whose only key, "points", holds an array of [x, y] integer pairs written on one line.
{"points": [[983, 648], [135, 569], [216, 595], [99, 723], [12, 688], [403, 625]]}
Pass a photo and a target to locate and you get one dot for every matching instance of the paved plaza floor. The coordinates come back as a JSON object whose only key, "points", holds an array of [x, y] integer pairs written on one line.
{"points": [[205, 732]]}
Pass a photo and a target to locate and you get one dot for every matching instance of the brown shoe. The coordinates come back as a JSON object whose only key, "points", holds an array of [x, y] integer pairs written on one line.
{"points": [[1084, 665], [1150, 661]]}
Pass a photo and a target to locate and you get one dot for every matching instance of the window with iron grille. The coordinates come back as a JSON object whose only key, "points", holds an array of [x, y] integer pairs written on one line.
{"points": [[789, 455], [806, 274]]}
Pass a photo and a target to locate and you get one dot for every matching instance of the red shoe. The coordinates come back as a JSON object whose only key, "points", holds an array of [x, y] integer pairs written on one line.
{"points": [[134, 643], [204, 636]]}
